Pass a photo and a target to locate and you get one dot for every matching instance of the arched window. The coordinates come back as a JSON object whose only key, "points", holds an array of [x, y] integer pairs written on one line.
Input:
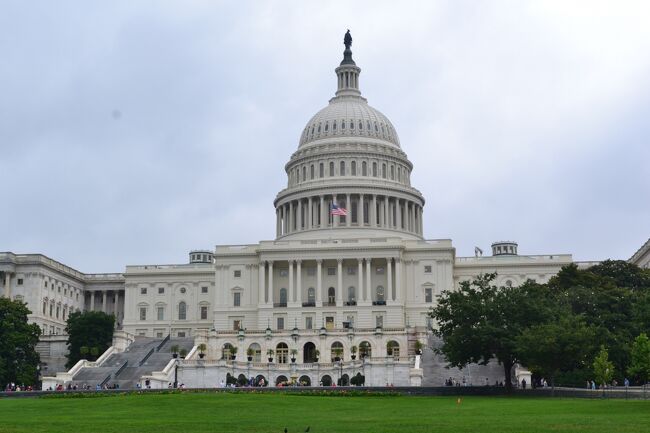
{"points": [[383, 171], [376, 127], [309, 353], [331, 168], [392, 348], [282, 353], [311, 172], [319, 128], [182, 311], [321, 170], [331, 296], [353, 168], [365, 350], [311, 295], [337, 351], [342, 169], [364, 169], [352, 299], [226, 351], [368, 124], [342, 124], [392, 172], [374, 169], [327, 126], [304, 173], [255, 351], [334, 126], [360, 125], [351, 124], [399, 174], [283, 296]]}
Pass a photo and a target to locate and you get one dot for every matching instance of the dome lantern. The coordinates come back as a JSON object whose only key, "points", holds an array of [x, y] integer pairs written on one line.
{"points": [[348, 72]]}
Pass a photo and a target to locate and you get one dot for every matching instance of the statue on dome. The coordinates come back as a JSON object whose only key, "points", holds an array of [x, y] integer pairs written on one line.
{"points": [[347, 40]]}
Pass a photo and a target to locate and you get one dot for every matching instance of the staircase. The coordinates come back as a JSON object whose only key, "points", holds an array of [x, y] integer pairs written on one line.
{"points": [[125, 369]]}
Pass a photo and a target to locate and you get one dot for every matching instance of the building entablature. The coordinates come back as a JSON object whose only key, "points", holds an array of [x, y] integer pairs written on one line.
{"points": [[342, 148], [348, 186]]}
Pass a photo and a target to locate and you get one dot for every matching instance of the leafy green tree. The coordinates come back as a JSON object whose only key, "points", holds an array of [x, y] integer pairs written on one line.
{"points": [[480, 321], [603, 367], [18, 338], [92, 330], [640, 363], [562, 344]]}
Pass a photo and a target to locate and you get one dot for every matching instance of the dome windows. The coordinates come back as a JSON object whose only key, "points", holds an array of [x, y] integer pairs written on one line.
{"points": [[321, 170], [334, 126], [351, 125], [327, 126], [331, 169], [319, 128], [364, 168], [342, 169], [360, 125], [353, 168], [342, 124]]}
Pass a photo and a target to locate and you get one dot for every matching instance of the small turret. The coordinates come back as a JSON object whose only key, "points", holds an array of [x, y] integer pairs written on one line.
{"points": [[201, 256], [504, 248]]}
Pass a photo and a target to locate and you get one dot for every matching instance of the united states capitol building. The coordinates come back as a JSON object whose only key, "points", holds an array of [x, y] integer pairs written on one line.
{"points": [[332, 296]]}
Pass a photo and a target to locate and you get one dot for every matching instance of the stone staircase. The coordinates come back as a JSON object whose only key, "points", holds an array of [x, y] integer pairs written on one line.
{"points": [[125, 369]]}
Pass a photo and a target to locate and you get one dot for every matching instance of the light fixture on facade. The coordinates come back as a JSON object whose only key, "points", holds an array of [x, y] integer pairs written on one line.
{"points": [[351, 333], [378, 330], [241, 334]]}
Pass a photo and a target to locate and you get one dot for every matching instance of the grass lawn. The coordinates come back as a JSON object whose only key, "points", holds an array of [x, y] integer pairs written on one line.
{"points": [[222, 412]]}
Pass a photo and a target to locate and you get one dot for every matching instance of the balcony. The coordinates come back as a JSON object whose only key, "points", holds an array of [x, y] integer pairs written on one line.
{"points": [[378, 302], [280, 304], [309, 304]]}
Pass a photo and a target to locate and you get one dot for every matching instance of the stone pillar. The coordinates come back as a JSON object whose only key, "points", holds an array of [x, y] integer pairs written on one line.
{"points": [[360, 296], [398, 282], [269, 299], [386, 216], [299, 216], [262, 283], [277, 222], [372, 220], [116, 311], [104, 293], [339, 289], [398, 213], [421, 213], [291, 296], [310, 216], [368, 293], [290, 217], [360, 211], [7, 292], [299, 282], [92, 301], [321, 212], [319, 283], [335, 218], [389, 279], [348, 206]]}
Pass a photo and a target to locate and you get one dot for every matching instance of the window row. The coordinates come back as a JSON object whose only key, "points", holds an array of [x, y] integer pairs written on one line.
{"points": [[181, 312], [383, 170], [333, 127], [57, 311], [161, 290], [70, 292]]}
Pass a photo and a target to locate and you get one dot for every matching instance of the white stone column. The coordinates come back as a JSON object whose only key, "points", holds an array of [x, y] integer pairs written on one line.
{"points": [[360, 296], [339, 289], [386, 216], [299, 211], [310, 216], [368, 293], [372, 214], [262, 283], [291, 296], [321, 212], [389, 279], [348, 206], [398, 212], [117, 306], [421, 213], [277, 222], [7, 285], [270, 290], [360, 211], [299, 282], [92, 301], [335, 218], [104, 301], [291, 217], [398, 281], [319, 283]]}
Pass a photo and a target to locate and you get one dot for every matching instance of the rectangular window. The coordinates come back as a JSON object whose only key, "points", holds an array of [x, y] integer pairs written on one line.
{"points": [[379, 321], [237, 274], [427, 269], [236, 325], [428, 295], [143, 313], [161, 290], [350, 320], [180, 334], [280, 323], [309, 323], [352, 270], [380, 270], [161, 313], [204, 312], [331, 271], [204, 289], [311, 271], [20, 281], [143, 290], [329, 322], [159, 335], [237, 299]]}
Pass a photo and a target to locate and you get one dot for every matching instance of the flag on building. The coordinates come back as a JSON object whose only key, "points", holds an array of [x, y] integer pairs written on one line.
{"points": [[337, 210]]}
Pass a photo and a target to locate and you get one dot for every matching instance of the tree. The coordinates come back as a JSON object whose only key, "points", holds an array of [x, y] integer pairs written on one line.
{"points": [[92, 330], [562, 344], [640, 363], [18, 357], [480, 322], [603, 368]]}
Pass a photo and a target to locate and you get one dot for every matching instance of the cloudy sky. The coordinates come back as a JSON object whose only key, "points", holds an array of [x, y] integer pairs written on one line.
{"points": [[132, 132]]}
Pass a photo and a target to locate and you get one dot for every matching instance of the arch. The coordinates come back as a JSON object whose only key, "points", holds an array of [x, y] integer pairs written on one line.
{"points": [[256, 352], [226, 351], [309, 353], [304, 380], [353, 168], [283, 295], [331, 168], [365, 350], [337, 351], [261, 380], [282, 353], [281, 380], [311, 172], [383, 171], [304, 173], [326, 380], [311, 295], [344, 380], [374, 169], [331, 296], [364, 168], [182, 310], [392, 348], [241, 380], [342, 168], [352, 299], [321, 170]]}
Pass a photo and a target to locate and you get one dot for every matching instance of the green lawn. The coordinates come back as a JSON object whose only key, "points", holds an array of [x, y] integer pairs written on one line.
{"points": [[220, 412]]}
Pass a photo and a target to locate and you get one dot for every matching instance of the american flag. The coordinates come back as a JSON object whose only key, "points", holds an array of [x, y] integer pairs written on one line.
{"points": [[337, 210]]}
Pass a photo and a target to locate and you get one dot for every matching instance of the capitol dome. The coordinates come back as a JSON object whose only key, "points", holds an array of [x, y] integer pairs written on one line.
{"points": [[349, 177]]}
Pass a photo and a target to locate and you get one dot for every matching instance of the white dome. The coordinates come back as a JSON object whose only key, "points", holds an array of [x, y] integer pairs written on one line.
{"points": [[349, 116]]}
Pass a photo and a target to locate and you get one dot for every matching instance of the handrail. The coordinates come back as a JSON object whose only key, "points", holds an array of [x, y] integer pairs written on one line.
{"points": [[162, 343], [119, 370], [105, 381], [143, 360]]}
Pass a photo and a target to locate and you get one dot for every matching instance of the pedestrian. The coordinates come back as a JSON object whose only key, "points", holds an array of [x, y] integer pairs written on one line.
{"points": [[626, 382], [523, 383]]}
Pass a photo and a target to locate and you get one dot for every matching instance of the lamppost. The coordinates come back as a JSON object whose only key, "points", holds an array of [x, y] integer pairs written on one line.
{"points": [[175, 373]]}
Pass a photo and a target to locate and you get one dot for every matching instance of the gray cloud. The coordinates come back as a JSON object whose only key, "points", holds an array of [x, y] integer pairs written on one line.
{"points": [[131, 132]]}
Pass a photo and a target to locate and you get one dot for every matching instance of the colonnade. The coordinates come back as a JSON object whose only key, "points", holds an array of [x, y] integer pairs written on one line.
{"points": [[364, 280], [364, 210], [94, 304]]}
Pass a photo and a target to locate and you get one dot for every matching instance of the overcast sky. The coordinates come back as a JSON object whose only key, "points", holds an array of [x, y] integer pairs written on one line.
{"points": [[132, 132]]}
